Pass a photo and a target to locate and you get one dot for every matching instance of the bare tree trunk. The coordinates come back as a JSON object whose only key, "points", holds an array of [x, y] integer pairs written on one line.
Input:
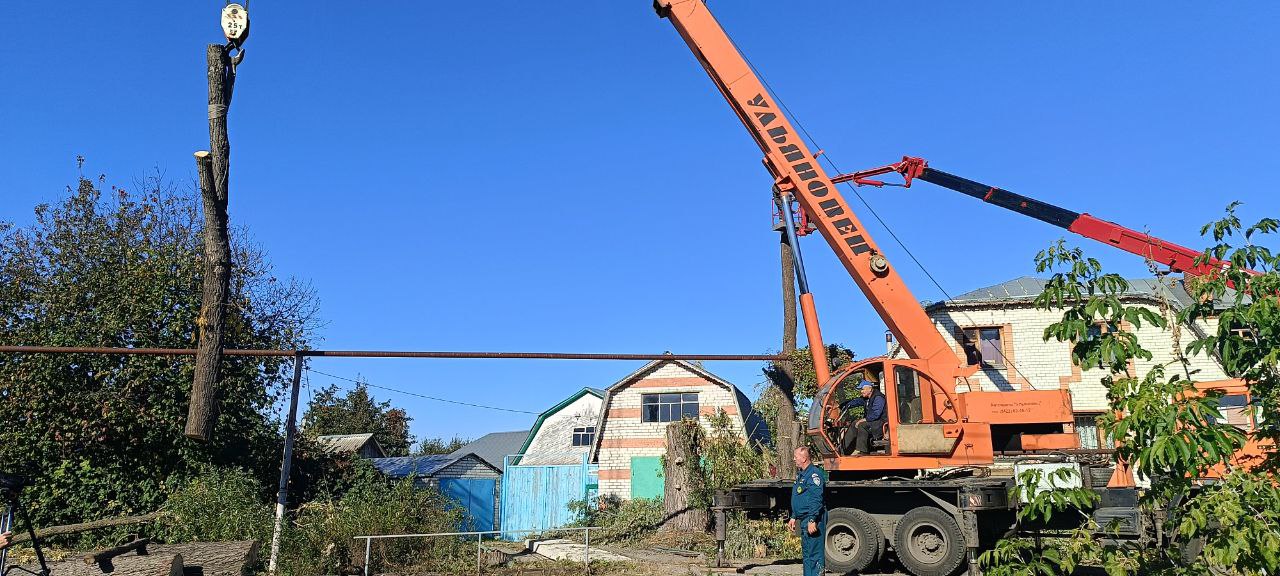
{"points": [[785, 423], [213, 167], [683, 477]]}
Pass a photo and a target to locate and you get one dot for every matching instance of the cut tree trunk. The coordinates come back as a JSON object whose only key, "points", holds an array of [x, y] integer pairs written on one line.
{"points": [[683, 477], [154, 564], [216, 558], [85, 526], [213, 167]]}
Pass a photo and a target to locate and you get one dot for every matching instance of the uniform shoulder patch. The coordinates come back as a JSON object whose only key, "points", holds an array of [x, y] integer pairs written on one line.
{"points": [[817, 480]]}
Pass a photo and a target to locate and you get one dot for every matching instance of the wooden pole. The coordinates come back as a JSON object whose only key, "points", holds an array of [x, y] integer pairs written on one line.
{"points": [[282, 495], [214, 167]]}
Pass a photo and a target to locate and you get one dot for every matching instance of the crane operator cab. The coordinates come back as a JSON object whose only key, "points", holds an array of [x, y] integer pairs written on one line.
{"points": [[927, 425], [861, 398]]}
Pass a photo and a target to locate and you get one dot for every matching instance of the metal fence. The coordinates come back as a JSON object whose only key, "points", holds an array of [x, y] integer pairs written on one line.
{"points": [[586, 537]]}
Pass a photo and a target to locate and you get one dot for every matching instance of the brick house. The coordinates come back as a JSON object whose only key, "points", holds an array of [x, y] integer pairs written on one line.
{"points": [[631, 433], [1003, 325]]}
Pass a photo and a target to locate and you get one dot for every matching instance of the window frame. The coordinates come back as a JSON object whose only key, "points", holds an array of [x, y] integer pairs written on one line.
{"points": [[966, 341], [583, 436], [660, 407]]}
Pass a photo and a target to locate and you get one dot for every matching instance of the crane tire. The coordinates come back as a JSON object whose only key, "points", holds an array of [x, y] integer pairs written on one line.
{"points": [[928, 542], [853, 541]]}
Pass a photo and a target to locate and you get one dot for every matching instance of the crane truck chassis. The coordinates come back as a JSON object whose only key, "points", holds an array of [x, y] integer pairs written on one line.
{"points": [[936, 524]]}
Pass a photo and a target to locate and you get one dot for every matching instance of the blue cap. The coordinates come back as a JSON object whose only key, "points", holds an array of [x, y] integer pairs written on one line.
{"points": [[866, 384]]}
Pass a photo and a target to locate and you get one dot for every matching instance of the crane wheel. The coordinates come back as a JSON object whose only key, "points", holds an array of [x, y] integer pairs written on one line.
{"points": [[853, 541], [928, 542]]}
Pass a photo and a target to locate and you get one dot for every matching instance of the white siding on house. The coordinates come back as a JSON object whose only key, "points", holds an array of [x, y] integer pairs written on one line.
{"points": [[553, 442]]}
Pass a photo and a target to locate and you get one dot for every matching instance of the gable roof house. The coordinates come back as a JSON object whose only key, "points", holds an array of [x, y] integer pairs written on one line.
{"points": [[1002, 324], [635, 413], [564, 433]]}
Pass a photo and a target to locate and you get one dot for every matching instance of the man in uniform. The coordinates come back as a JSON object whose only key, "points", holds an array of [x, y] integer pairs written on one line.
{"points": [[809, 511]]}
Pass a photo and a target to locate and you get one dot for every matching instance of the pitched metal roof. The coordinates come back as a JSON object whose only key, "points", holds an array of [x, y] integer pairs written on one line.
{"points": [[494, 447], [404, 466], [1028, 288], [346, 443]]}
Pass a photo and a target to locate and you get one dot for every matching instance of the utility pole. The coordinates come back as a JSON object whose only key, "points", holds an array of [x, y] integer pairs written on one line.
{"points": [[214, 167]]}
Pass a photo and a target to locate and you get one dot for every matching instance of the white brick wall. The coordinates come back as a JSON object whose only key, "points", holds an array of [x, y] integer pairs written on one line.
{"points": [[623, 420], [1047, 365]]}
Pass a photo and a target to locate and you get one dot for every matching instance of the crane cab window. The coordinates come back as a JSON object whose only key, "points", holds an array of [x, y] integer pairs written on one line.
{"points": [[907, 388]]}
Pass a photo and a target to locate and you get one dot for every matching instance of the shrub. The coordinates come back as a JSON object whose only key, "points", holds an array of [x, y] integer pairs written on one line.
{"points": [[217, 504], [321, 538], [620, 520]]}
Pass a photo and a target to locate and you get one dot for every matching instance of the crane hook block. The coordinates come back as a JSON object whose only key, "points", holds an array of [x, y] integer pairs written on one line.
{"points": [[235, 23]]}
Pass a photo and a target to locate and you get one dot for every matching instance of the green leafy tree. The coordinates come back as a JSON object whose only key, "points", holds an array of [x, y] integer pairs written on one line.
{"points": [[101, 434], [1168, 431], [357, 412], [431, 446], [800, 385]]}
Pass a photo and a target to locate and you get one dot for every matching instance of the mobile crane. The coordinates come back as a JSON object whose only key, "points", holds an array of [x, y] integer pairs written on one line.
{"points": [[930, 496]]}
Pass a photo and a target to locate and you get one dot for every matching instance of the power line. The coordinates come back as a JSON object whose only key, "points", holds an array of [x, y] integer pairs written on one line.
{"points": [[437, 399]]}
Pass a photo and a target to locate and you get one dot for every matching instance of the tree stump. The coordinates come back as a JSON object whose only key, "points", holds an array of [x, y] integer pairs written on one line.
{"points": [[216, 558], [684, 477]]}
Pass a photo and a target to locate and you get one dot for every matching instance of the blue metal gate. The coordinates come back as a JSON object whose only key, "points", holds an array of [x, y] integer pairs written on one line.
{"points": [[475, 495], [537, 497]]}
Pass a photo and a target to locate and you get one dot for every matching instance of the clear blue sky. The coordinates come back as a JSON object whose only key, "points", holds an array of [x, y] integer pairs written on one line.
{"points": [[533, 176]]}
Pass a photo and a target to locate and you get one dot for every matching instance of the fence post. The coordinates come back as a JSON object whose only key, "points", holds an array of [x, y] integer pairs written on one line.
{"points": [[368, 543], [478, 537], [586, 550]]}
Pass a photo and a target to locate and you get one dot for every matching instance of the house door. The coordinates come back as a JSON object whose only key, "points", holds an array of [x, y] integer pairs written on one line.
{"points": [[646, 477]]}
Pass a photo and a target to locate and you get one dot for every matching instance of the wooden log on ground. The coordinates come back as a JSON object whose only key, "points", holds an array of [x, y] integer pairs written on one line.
{"points": [[128, 565], [215, 558], [104, 558]]}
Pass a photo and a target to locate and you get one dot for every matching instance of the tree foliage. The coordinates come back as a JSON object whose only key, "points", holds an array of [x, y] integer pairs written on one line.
{"points": [[1170, 432], [357, 412], [439, 445], [101, 434]]}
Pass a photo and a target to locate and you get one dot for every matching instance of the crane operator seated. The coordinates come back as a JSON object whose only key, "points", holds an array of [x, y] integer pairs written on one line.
{"points": [[871, 426]]}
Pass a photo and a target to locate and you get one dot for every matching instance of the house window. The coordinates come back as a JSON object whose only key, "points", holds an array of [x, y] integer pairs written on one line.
{"points": [[1095, 333], [1235, 410], [668, 407], [584, 435], [983, 345], [1087, 431]]}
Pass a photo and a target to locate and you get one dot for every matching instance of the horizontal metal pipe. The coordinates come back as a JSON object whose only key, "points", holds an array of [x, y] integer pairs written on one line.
{"points": [[382, 354]]}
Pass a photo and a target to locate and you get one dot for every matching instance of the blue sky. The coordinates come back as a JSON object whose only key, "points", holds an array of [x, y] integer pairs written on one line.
{"points": [[526, 176]]}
